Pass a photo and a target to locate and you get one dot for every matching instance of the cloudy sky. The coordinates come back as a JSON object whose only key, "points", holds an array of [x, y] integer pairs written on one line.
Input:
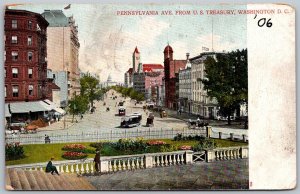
{"points": [[108, 40]]}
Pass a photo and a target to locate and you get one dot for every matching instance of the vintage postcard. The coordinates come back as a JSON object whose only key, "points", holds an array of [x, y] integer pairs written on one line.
{"points": [[149, 96]]}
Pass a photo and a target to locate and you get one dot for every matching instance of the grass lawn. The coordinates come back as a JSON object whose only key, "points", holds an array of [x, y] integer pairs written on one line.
{"points": [[36, 153]]}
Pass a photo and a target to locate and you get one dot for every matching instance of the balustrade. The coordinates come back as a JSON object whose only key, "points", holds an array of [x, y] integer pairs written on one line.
{"points": [[133, 162]]}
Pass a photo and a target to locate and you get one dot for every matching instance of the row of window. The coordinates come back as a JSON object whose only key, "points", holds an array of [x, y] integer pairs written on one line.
{"points": [[14, 40], [14, 24], [15, 72], [15, 56], [16, 91]]}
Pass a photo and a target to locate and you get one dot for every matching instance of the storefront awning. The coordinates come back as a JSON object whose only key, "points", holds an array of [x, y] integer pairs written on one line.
{"points": [[7, 113], [26, 107], [60, 111]]}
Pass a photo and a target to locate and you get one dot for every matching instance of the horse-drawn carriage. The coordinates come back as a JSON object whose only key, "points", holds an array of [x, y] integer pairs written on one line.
{"points": [[196, 124], [150, 120]]}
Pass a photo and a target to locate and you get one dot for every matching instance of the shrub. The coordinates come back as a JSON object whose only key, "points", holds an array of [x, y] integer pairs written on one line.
{"points": [[205, 144], [167, 148], [180, 137], [13, 151], [129, 144], [74, 155]]}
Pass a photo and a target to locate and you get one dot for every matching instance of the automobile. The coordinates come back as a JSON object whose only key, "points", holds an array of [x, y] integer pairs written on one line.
{"points": [[130, 121], [163, 113], [137, 114]]}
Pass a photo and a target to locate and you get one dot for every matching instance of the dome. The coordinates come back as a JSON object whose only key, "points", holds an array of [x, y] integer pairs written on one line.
{"points": [[168, 49], [188, 64], [109, 78]]}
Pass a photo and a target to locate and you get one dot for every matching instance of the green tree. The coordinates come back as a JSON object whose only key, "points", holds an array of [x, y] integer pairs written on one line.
{"points": [[89, 87], [227, 80], [78, 105]]}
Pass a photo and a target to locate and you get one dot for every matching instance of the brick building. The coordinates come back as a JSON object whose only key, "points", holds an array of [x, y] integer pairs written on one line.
{"points": [[171, 68], [25, 56]]}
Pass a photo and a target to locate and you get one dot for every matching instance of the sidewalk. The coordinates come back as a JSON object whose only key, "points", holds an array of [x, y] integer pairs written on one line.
{"points": [[212, 122], [231, 174]]}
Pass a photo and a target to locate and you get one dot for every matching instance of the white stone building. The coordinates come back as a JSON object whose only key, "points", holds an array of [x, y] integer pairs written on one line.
{"points": [[202, 105], [185, 87]]}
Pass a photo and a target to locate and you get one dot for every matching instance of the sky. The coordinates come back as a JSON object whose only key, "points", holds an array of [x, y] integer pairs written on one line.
{"points": [[107, 40]]}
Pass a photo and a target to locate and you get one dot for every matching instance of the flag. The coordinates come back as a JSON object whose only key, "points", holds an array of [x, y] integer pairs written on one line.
{"points": [[68, 7], [205, 49]]}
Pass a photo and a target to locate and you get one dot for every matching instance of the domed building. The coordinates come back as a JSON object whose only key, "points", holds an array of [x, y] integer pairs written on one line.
{"points": [[109, 82]]}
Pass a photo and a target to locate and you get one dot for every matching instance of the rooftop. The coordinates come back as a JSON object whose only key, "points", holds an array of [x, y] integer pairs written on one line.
{"points": [[56, 18]]}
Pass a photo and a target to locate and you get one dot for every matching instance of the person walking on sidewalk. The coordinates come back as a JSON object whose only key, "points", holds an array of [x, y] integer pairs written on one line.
{"points": [[97, 161], [51, 168]]}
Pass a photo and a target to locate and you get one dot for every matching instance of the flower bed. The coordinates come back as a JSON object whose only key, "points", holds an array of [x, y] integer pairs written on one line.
{"points": [[185, 147], [156, 142], [74, 155], [74, 147], [77, 148]]}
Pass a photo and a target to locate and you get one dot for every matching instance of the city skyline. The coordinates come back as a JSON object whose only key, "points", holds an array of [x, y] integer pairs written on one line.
{"points": [[107, 47]]}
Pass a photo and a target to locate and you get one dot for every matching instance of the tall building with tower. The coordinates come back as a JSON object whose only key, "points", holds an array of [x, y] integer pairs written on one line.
{"points": [[135, 59], [171, 68]]}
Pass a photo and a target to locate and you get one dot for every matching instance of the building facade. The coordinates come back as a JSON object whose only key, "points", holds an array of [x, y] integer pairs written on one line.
{"points": [[185, 88], [171, 68], [148, 79], [202, 105], [128, 78], [25, 56], [63, 48]]}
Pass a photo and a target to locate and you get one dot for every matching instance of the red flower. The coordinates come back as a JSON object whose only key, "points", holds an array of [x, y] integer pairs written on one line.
{"points": [[156, 142], [185, 147]]}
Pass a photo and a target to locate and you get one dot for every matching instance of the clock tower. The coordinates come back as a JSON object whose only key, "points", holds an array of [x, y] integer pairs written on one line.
{"points": [[135, 59]]}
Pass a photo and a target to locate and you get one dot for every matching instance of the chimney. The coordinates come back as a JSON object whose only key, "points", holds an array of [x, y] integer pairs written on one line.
{"points": [[187, 56]]}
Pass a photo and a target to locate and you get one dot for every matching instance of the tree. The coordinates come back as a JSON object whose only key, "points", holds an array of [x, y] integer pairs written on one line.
{"points": [[89, 87], [78, 105], [227, 80]]}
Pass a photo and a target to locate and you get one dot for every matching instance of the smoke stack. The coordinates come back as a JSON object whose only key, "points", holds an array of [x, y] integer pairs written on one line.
{"points": [[187, 56]]}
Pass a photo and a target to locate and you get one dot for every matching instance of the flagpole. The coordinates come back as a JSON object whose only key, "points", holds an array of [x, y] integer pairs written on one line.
{"points": [[212, 34]]}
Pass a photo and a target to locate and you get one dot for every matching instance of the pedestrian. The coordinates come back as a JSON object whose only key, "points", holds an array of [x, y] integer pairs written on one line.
{"points": [[97, 161], [51, 168], [81, 116]]}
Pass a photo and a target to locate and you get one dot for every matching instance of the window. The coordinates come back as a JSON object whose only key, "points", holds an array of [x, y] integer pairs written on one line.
{"points": [[30, 73], [14, 39], [30, 90], [15, 90], [15, 72], [14, 55], [5, 72], [5, 91], [29, 56], [29, 40], [30, 25], [14, 23]]}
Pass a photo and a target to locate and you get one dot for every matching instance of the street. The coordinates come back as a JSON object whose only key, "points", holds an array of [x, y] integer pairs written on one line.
{"points": [[105, 125]]}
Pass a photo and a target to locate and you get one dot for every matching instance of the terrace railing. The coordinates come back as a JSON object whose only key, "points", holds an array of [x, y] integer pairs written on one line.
{"points": [[141, 161]]}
